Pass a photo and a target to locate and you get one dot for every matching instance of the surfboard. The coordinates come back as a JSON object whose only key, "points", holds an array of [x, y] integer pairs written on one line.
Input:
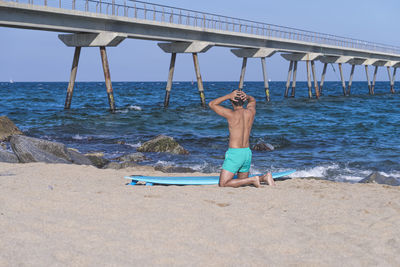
{"points": [[189, 180]]}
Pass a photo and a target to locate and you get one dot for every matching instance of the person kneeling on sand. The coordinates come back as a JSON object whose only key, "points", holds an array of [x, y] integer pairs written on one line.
{"points": [[238, 156]]}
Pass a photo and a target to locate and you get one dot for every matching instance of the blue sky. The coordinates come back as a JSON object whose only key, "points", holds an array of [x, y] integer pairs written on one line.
{"points": [[27, 55]]}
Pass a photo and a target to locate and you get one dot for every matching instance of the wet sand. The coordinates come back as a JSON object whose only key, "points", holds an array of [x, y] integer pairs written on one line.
{"points": [[70, 215]]}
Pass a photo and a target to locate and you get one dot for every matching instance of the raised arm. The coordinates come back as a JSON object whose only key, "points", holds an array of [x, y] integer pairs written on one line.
{"points": [[220, 110], [251, 103]]}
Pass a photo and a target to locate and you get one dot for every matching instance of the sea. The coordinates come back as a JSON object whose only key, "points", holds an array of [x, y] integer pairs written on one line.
{"points": [[340, 138]]}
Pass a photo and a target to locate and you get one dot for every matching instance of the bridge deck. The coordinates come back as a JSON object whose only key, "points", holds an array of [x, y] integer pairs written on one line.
{"points": [[137, 20]]}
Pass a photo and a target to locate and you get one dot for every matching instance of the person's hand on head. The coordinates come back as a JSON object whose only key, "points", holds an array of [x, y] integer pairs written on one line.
{"points": [[243, 95], [234, 94]]}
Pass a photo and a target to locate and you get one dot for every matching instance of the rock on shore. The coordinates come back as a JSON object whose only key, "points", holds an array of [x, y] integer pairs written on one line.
{"points": [[29, 149], [7, 128], [163, 143], [378, 178]]}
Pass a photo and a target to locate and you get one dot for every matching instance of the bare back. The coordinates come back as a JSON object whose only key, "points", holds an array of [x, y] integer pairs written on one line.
{"points": [[240, 124]]}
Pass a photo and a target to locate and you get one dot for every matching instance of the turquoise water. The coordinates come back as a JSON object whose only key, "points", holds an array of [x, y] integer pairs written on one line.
{"points": [[336, 137]]}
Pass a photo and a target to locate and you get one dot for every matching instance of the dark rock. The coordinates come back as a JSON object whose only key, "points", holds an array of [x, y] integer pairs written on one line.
{"points": [[263, 147], [118, 165], [173, 169], [134, 157], [97, 159], [6, 156], [29, 149], [378, 178], [3, 145], [78, 158], [162, 143], [7, 128]]}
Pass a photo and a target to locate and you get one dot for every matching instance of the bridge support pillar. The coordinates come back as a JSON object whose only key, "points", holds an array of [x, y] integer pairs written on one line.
{"points": [[107, 78], [309, 79], [169, 82], [342, 79], [321, 85], [74, 69], [393, 80], [294, 79], [266, 84], [351, 78], [242, 73], [102, 40], [261, 53], [374, 79], [315, 79], [390, 80], [288, 78], [185, 47], [368, 81], [295, 57], [199, 80]]}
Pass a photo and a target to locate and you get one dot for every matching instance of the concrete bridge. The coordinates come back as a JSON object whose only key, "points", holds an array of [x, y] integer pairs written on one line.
{"points": [[97, 23]]}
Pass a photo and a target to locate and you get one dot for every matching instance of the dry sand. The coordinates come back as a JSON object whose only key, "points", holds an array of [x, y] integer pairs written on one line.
{"points": [[69, 215]]}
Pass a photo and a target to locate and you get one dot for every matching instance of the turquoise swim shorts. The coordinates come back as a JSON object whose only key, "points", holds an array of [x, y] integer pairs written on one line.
{"points": [[237, 160]]}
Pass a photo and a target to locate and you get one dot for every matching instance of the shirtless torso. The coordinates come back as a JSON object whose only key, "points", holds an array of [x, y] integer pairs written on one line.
{"points": [[238, 157]]}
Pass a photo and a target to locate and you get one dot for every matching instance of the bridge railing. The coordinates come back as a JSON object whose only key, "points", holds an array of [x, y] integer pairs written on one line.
{"points": [[203, 20]]}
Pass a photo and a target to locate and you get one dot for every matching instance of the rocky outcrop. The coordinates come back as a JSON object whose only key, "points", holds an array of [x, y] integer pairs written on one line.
{"points": [[119, 165], [261, 146], [7, 129], [97, 159], [9, 157], [134, 157], [173, 169], [162, 143], [378, 178], [29, 149], [78, 158]]}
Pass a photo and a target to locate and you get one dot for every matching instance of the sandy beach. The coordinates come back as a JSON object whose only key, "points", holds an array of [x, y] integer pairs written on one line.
{"points": [[70, 215]]}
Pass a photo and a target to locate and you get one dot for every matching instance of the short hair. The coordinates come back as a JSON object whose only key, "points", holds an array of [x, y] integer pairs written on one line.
{"points": [[238, 101]]}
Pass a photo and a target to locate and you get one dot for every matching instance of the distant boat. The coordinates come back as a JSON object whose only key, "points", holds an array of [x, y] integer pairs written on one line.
{"points": [[192, 82], [269, 80], [11, 81]]}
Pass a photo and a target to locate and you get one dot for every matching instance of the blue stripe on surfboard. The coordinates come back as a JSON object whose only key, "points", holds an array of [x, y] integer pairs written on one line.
{"points": [[191, 180]]}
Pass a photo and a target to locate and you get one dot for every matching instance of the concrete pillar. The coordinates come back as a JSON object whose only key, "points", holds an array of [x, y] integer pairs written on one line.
{"points": [[262, 53], [368, 81], [107, 78], [342, 78], [351, 78], [242, 73], [169, 82], [315, 79], [309, 79], [294, 79], [393, 80], [321, 85], [266, 85], [374, 79], [390, 79], [288, 78], [74, 69], [102, 40], [199, 80]]}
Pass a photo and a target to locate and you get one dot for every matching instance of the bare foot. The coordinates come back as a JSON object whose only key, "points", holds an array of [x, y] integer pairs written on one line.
{"points": [[268, 179], [257, 181]]}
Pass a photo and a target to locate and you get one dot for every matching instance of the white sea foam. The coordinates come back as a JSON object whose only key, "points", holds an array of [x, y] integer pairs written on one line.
{"points": [[134, 145], [78, 137], [318, 171], [133, 107], [164, 163]]}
